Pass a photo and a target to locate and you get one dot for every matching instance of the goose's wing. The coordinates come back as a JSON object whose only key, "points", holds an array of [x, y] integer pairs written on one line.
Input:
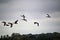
{"points": [[37, 24], [11, 25], [4, 23], [16, 22]]}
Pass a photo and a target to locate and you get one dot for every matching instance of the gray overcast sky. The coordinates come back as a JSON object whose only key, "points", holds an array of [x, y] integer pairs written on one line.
{"points": [[34, 10]]}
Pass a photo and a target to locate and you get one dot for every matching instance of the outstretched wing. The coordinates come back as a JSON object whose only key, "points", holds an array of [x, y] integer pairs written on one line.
{"points": [[37, 24], [16, 22], [4, 23]]}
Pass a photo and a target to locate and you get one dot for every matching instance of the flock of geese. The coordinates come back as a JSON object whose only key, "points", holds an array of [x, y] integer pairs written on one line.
{"points": [[24, 19]]}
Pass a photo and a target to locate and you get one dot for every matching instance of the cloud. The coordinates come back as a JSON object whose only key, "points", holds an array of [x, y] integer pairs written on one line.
{"points": [[35, 7], [41, 5], [4, 1]]}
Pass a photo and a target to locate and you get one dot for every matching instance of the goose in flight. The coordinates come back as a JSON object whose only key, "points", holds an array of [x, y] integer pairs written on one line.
{"points": [[4, 23], [11, 24], [36, 23], [23, 16], [25, 20], [48, 16], [16, 22]]}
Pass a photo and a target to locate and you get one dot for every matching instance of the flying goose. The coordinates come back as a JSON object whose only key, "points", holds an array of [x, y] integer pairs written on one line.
{"points": [[4, 23], [16, 22], [11, 24], [48, 16], [36, 23], [25, 20], [23, 16]]}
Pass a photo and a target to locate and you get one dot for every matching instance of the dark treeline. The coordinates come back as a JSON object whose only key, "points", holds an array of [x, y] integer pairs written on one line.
{"points": [[17, 36]]}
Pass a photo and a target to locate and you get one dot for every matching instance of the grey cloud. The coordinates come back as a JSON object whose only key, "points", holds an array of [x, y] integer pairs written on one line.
{"points": [[41, 6], [4, 1], [36, 6]]}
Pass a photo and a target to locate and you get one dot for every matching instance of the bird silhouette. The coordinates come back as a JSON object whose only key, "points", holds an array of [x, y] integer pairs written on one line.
{"points": [[25, 20], [16, 22], [11, 24], [23, 16], [4, 23], [36, 23], [48, 16]]}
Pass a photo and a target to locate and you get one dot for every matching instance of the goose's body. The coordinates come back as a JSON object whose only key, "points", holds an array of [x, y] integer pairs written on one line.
{"points": [[25, 20], [36, 23], [7, 25]]}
